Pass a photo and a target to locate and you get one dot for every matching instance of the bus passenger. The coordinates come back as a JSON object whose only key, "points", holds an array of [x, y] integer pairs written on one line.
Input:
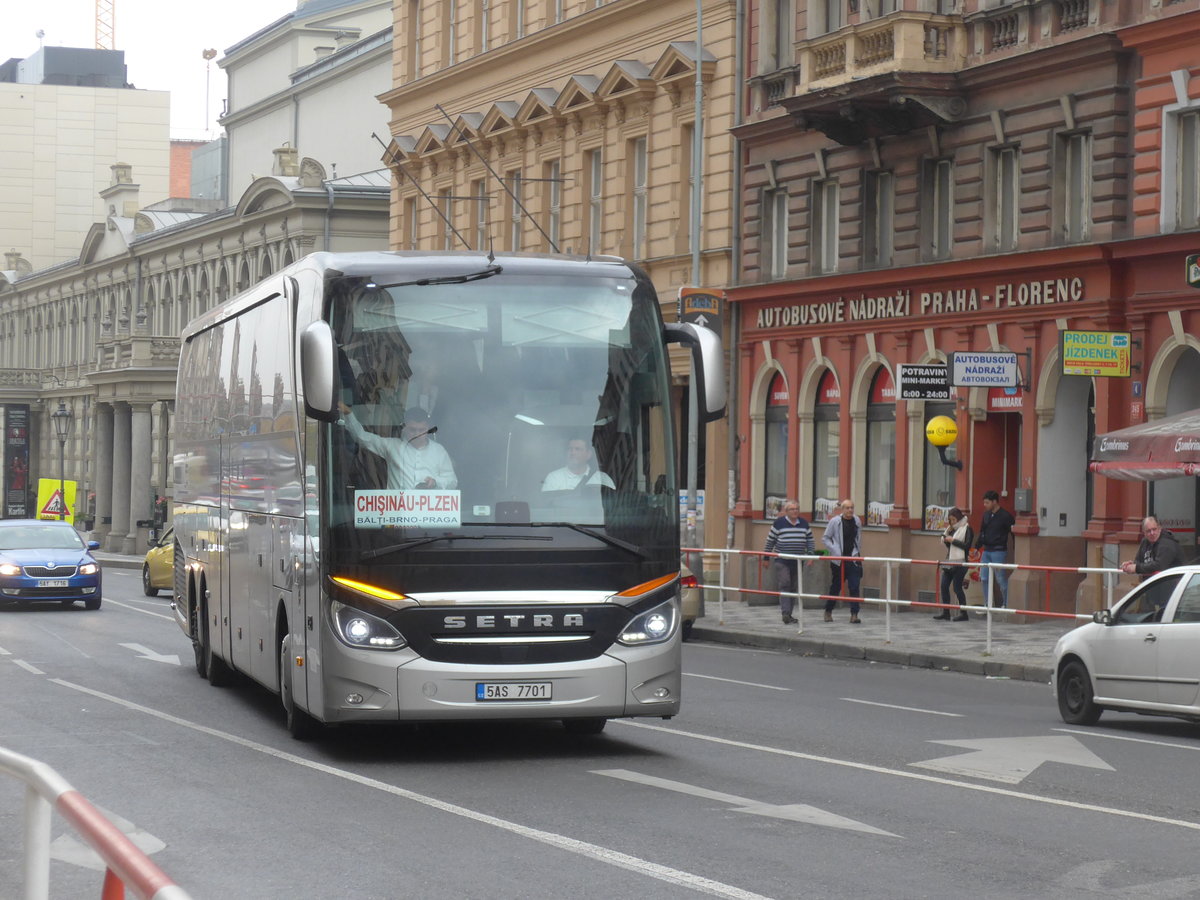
{"points": [[414, 461], [580, 468]]}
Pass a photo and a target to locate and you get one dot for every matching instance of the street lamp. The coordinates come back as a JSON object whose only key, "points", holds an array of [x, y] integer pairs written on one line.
{"points": [[62, 419]]}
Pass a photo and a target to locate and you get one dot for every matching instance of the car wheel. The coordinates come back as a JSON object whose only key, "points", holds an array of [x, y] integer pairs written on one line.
{"points": [[584, 726], [215, 668], [300, 724], [92, 603], [147, 588], [1075, 703]]}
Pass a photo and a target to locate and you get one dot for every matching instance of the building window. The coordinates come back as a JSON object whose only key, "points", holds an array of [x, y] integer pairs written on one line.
{"points": [[775, 447], [450, 30], [413, 35], [937, 208], [775, 232], [446, 219], [1075, 158], [513, 179], [879, 220], [552, 175], [777, 32], [1006, 184], [638, 169], [558, 11], [825, 225], [595, 195], [881, 448], [939, 477], [827, 442], [411, 223], [479, 207], [832, 14], [517, 25], [687, 184], [1188, 167], [483, 25]]}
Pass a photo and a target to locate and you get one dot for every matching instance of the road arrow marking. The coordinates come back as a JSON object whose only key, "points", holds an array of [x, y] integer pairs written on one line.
{"points": [[69, 849], [793, 812], [147, 653], [1010, 760]]}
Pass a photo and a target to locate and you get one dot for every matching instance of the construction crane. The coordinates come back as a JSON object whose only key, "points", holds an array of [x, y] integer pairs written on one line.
{"points": [[105, 24]]}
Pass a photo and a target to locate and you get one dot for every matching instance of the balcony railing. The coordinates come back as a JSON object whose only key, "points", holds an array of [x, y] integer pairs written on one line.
{"points": [[913, 42]]}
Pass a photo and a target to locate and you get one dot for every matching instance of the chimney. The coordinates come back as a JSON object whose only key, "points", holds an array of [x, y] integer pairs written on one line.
{"points": [[286, 161], [121, 193]]}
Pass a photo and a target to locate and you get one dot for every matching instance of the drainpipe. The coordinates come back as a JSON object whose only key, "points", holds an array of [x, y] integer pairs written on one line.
{"points": [[736, 245]]}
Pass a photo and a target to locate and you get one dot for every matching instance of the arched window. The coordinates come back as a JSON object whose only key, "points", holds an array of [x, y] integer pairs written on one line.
{"points": [[827, 441], [775, 447], [881, 447], [939, 477]]}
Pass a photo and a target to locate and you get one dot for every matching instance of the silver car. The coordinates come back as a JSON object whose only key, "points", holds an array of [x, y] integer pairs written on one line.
{"points": [[1141, 656]]}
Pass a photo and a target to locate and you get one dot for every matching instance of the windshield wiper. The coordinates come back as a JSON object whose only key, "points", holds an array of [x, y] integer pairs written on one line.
{"points": [[598, 535], [377, 552], [449, 279]]}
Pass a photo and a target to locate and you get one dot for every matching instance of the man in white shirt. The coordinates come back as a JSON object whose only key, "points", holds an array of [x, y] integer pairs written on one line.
{"points": [[414, 461], [579, 465]]}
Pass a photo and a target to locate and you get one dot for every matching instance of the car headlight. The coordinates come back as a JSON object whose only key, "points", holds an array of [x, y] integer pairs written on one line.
{"points": [[89, 569], [10, 569], [360, 629], [651, 627]]}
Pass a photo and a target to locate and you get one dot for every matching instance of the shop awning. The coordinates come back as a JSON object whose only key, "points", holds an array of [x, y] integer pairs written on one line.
{"points": [[1165, 448]]}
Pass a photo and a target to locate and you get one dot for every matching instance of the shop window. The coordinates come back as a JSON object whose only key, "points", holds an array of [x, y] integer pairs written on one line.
{"points": [[878, 218], [827, 441], [939, 477], [775, 447], [881, 448]]}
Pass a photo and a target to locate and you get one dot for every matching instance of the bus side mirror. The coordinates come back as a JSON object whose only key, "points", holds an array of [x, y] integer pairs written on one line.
{"points": [[707, 364], [318, 371]]}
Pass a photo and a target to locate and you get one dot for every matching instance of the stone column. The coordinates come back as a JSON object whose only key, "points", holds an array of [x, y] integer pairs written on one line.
{"points": [[140, 496], [120, 478], [102, 465]]}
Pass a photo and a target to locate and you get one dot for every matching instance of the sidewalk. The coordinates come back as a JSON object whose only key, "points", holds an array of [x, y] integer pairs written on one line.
{"points": [[1019, 650]]}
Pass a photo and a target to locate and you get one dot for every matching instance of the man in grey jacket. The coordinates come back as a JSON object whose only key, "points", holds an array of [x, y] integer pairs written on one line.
{"points": [[1158, 550], [843, 538]]}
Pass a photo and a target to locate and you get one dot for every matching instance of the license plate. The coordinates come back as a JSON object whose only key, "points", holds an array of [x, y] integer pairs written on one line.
{"points": [[512, 690], [53, 582]]}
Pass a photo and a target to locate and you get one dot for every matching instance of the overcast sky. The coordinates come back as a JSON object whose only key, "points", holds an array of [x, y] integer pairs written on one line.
{"points": [[163, 40]]}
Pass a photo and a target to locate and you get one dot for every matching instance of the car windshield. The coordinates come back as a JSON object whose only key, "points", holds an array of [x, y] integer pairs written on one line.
{"points": [[40, 537]]}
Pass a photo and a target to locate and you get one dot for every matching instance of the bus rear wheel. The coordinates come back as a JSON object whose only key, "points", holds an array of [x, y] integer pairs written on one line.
{"points": [[215, 669]]}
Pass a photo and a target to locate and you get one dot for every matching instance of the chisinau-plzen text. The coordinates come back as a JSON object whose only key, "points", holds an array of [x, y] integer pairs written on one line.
{"points": [[904, 303]]}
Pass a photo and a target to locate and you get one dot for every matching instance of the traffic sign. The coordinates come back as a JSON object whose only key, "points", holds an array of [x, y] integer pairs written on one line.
{"points": [[701, 306], [923, 382], [984, 368]]}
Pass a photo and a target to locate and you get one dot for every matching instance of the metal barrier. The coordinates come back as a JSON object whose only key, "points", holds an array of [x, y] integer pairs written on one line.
{"points": [[45, 791], [886, 599]]}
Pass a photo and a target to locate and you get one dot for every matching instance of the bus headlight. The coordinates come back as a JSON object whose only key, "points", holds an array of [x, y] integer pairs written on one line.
{"points": [[360, 629], [651, 627]]}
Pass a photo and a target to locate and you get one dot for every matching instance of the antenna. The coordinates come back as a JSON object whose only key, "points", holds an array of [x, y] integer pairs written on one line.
{"points": [[393, 160], [507, 189]]}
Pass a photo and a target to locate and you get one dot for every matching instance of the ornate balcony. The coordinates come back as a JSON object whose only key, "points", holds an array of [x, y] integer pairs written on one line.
{"points": [[886, 76]]}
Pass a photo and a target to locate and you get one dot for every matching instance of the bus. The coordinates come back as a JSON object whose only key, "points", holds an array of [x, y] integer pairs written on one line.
{"points": [[421, 487]]}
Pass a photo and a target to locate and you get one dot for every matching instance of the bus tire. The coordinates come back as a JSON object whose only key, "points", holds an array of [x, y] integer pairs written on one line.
{"points": [[585, 726], [300, 724], [215, 669]]}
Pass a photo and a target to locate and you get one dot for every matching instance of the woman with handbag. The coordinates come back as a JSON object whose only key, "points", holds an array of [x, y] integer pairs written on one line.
{"points": [[958, 539]]}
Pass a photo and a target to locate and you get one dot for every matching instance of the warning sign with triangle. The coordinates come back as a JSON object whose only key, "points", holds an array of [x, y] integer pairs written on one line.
{"points": [[56, 506], [51, 501]]}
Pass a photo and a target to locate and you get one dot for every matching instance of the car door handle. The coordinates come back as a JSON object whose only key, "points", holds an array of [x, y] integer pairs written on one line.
{"points": [[1150, 638]]}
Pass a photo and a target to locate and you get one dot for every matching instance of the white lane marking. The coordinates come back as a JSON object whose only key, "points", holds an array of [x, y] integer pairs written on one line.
{"points": [[1012, 760], [144, 612], [146, 653], [28, 667], [769, 687], [558, 841], [915, 776], [1122, 737], [793, 812], [4, 652], [928, 712]]}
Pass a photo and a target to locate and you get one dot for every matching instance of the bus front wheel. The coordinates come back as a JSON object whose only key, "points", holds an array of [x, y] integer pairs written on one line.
{"points": [[300, 724]]}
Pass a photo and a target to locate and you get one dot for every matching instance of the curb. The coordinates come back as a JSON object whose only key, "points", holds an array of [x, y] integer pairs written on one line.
{"points": [[917, 659]]}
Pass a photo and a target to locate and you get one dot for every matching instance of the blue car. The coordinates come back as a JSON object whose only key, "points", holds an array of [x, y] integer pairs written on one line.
{"points": [[44, 560]]}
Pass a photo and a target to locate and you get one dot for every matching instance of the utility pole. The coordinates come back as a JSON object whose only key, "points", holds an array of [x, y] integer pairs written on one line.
{"points": [[693, 438]]}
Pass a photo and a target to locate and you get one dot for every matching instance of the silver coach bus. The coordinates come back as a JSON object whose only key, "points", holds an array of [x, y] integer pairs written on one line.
{"points": [[432, 486]]}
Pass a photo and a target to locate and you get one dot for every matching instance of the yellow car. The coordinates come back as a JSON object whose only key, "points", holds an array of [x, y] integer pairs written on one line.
{"points": [[158, 570]]}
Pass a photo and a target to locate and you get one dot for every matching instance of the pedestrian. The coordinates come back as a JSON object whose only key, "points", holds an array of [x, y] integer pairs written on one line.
{"points": [[843, 538], [994, 531], [1158, 550], [958, 538], [790, 533]]}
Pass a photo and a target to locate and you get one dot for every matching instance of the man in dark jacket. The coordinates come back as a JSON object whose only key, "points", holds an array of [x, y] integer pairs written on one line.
{"points": [[1158, 550], [994, 531]]}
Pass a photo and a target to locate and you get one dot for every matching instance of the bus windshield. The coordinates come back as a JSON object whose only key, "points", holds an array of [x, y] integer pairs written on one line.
{"points": [[523, 406]]}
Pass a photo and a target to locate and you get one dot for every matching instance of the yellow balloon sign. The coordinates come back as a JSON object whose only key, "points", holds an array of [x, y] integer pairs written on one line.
{"points": [[941, 431]]}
